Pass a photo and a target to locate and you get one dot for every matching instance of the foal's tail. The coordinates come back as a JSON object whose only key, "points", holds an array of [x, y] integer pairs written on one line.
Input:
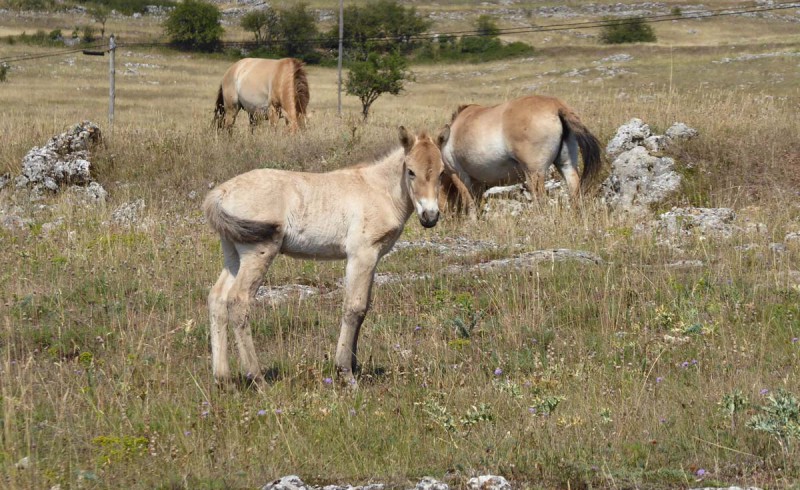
{"points": [[587, 142], [219, 109], [229, 227]]}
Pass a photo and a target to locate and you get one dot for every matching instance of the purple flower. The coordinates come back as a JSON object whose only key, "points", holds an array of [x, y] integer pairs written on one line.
{"points": [[685, 364], [795, 340], [417, 328], [701, 472], [659, 379], [532, 410], [694, 362], [262, 412], [498, 372], [187, 432], [662, 421], [278, 411], [352, 412], [763, 391], [204, 413], [327, 381]]}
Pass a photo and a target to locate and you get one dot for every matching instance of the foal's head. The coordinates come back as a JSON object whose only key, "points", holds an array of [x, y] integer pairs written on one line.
{"points": [[423, 169]]}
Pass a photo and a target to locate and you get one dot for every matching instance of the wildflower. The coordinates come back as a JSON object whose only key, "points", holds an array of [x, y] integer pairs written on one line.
{"points": [[700, 472], [204, 413], [659, 379], [262, 412], [662, 421], [795, 340], [278, 411], [763, 391], [327, 381], [685, 364], [187, 432], [417, 328], [532, 410], [694, 362], [352, 412], [498, 372]]}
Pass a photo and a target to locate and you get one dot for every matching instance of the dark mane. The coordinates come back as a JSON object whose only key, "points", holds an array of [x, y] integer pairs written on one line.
{"points": [[458, 111]]}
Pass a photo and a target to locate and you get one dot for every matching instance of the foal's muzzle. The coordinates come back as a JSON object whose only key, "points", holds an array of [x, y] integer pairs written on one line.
{"points": [[429, 218]]}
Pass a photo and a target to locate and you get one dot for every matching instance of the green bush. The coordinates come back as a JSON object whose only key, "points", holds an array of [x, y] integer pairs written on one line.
{"points": [[633, 30], [4, 71], [194, 25], [299, 32], [262, 23], [379, 74]]}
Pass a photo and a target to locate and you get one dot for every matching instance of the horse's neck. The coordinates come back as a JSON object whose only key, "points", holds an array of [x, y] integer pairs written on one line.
{"points": [[388, 175]]}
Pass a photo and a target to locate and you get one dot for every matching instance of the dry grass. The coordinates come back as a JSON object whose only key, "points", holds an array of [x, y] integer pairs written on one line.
{"points": [[103, 332]]}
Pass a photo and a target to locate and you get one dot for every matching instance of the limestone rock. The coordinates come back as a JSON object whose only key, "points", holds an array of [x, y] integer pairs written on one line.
{"points": [[488, 482]]}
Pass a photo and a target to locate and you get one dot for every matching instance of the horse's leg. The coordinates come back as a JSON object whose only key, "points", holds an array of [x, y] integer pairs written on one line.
{"points": [[255, 260], [464, 194], [536, 160], [230, 116], [567, 166], [358, 289], [218, 313]]}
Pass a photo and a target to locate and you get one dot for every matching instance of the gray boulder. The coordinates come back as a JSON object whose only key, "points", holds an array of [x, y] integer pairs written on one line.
{"points": [[291, 482], [488, 482], [429, 483], [639, 179], [703, 221]]}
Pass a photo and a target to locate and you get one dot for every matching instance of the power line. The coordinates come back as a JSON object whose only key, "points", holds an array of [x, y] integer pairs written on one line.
{"points": [[466, 33]]}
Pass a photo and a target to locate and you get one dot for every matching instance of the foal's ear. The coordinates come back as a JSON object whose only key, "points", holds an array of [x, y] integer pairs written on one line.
{"points": [[444, 135], [406, 139]]}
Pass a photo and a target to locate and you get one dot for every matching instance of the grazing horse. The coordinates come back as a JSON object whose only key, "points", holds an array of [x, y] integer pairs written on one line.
{"points": [[515, 142], [355, 213], [265, 89]]}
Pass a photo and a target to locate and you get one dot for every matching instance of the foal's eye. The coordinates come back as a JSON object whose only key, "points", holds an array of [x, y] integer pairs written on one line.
{"points": [[411, 173]]}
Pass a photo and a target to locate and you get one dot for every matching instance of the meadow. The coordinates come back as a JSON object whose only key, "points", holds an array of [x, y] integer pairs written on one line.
{"points": [[630, 373]]}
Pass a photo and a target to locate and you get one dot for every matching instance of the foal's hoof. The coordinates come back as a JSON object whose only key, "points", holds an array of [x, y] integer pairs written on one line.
{"points": [[347, 378]]}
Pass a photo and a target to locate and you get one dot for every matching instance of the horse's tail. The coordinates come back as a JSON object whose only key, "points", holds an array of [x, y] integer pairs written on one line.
{"points": [[587, 143], [238, 230], [301, 93], [219, 109]]}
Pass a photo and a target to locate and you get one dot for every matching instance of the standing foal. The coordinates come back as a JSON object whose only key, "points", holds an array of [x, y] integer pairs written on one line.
{"points": [[356, 213]]}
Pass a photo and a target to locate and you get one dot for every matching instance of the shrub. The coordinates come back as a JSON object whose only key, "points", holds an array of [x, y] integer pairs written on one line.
{"points": [[486, 26], [379, 74], [4, 72], [194, 25], [633, 30], [88, 35], [299, 32], [262, 23]]}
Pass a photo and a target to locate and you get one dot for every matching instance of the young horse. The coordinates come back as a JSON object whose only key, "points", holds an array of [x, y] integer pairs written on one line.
{"points": [[265, 89], [356, 213], [517, 141]]}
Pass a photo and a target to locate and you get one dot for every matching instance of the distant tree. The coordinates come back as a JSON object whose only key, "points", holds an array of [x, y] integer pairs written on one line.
{"points": [[379, 74], [262, 23], [486, 26], [100, 15], [298, 30], [381, 25], [4, 68], [194, 25], [88, 35], [632, 30]]}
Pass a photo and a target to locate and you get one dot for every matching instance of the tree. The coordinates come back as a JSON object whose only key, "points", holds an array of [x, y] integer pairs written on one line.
{"points": [[100, 15], [486, 26], [379, 74], [366, 27], [262, 23], [194, 25], [633, 30], [298, 30]]}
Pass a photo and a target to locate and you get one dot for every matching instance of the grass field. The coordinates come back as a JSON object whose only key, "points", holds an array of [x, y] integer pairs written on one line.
{"points": [[626, 374]]}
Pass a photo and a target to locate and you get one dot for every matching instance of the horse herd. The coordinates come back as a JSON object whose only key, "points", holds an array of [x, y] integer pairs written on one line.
{"points": [[357, 213]]}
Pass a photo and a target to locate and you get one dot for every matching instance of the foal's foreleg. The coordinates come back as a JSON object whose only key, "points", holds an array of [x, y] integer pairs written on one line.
{"points": [[358, 290], [218, 313]]}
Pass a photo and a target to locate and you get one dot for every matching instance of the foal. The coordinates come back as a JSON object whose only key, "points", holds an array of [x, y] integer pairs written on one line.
{"points": [[356, 213]]}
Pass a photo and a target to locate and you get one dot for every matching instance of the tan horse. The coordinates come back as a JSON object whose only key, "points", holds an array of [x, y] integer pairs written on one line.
{"points": [[356, 213], [266, 89], [515, 142]]}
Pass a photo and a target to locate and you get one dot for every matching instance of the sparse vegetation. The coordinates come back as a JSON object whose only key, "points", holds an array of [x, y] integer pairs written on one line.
{"points": [[642, 372]]}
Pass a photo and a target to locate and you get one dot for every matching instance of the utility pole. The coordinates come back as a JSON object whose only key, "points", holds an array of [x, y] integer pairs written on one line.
{"points": [[339, 65], [112, 48]]}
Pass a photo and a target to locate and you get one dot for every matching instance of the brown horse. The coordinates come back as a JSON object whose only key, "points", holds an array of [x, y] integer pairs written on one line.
{"points": [[356, 213], [515, 142], [266, 89]]}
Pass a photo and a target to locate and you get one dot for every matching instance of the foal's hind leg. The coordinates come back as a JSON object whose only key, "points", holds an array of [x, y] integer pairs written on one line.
{"points": [[255, 260], [218, 313]]}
